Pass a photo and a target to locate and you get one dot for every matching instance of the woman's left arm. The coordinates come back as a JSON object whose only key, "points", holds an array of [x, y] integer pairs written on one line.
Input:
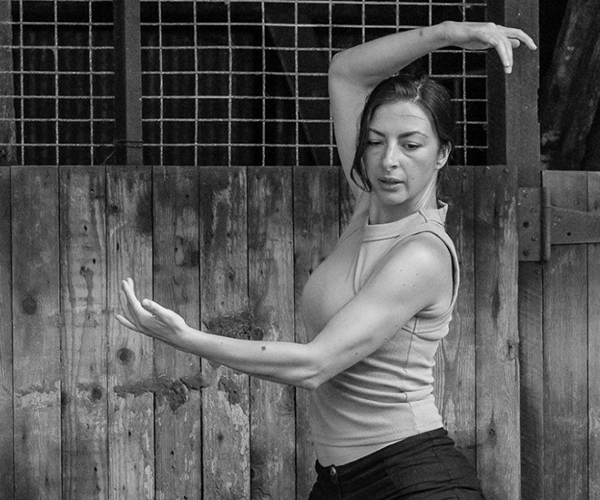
{"points": [[414, 277]]}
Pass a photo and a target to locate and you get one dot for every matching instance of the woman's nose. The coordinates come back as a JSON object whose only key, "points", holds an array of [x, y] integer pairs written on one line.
{"points": [[390, 160]]}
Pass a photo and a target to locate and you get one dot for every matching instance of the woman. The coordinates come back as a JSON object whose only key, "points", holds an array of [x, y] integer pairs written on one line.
{"points": [[378, 306]]}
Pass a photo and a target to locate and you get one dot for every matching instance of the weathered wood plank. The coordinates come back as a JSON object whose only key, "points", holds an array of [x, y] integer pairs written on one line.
{"points": [[316, 226], [178, 417], [455, 360], [271, 271], [130, 364], [83, 297], [565, 352], [7, 157], [497, 377], [346, 201], [6, 341], [531, 358], [36, 333], [224, 294], [594, 344]]}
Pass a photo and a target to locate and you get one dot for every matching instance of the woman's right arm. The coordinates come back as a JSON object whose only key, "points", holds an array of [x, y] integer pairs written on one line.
{"points": [[354, 72]]}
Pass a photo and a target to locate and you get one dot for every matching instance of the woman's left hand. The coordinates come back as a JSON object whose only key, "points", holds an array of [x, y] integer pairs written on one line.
{"points": [[482, 36], [149, 318]]}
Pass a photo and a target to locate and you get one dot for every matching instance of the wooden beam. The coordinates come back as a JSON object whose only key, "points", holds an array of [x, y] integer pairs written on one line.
{"points": [[512, 99], [128, 82]]}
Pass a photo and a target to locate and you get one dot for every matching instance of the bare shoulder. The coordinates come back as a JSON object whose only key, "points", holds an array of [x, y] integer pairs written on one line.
{"points": [[417, 270]]}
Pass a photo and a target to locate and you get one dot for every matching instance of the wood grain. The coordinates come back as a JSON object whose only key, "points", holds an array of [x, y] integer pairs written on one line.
{"points": [[594, 344], [565, 352], [316, 226], [224, 291], [36, 333], [497, 376], [176, 276], [454, 373], [7, 461], [84, 343], [130, 363], [271, 271]]}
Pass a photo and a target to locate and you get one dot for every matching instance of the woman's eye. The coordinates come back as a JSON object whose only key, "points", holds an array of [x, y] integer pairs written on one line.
{"points": [[373, 143], [412, 146]]}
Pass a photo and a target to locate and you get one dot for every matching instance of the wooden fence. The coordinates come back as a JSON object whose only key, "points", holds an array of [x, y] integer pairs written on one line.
{"points": [[93, 411]]}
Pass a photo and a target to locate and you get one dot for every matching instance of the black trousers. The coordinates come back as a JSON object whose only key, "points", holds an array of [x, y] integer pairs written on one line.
{"points": [[423, 467]]}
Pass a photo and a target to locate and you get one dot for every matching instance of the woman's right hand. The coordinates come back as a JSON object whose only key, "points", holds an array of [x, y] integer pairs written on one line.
{"points": [[482, 36]]}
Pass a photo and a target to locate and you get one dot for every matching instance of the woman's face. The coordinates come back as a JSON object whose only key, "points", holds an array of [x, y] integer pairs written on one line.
{"points": [[402, 160]]}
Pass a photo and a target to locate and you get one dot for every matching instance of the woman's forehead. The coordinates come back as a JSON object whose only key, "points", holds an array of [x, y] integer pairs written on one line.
{"points": [[401, 114]]}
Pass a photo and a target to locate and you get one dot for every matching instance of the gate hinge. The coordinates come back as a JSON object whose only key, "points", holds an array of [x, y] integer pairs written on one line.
{"points": [[541, 225]]}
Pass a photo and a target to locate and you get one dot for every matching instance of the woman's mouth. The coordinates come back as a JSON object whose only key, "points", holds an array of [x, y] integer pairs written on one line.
{"points": [[388, 182]]}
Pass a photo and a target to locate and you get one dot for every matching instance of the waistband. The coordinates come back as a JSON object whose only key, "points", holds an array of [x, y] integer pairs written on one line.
{"points": [[402, 446]]}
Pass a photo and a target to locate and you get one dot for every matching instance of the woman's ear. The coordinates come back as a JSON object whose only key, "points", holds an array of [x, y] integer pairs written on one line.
{"points": [[443, 155]]}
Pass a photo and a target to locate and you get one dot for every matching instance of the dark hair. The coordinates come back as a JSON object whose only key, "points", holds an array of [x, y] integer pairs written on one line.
{"points": [[431, 96]]}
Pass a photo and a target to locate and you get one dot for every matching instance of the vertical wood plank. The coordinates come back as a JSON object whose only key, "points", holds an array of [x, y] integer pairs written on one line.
{"points": [[36, 331], [130, 364], [271, 271], [83, 292], [594, 343], [176, 286], [6, 341], [496, 259], [565, 352], [454, 372], [531, 362], [224, 293], [346, 201], [316, 226], [7, 157]]}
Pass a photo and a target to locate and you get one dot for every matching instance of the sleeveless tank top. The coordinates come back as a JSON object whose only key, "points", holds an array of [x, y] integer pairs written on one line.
{"points": [[388, 396]]}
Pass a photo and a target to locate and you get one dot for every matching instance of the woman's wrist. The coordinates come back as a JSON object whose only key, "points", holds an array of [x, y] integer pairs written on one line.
{"points": [[442, 33]]}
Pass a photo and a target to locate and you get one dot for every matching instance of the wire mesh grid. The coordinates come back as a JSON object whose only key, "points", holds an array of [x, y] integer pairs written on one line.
{"points": [[236, 83]]}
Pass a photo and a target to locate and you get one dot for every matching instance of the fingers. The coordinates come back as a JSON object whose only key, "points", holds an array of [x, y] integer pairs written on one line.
{"points": [[518, 36], [131, 307], [155, 309], [126, 323], [510, 39], [503, 47]]}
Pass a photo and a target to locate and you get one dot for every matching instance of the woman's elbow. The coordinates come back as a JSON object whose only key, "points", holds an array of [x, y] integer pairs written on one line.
{"points": [[337, 66], [313, 377]]}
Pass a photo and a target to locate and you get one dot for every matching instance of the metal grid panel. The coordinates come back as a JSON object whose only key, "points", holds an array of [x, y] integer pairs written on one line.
{"points": [[62, 56], [244, 83], [224, 83]]}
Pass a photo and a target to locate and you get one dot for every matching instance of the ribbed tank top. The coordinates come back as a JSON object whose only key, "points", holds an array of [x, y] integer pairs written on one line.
{"points": [[387, 396]]}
